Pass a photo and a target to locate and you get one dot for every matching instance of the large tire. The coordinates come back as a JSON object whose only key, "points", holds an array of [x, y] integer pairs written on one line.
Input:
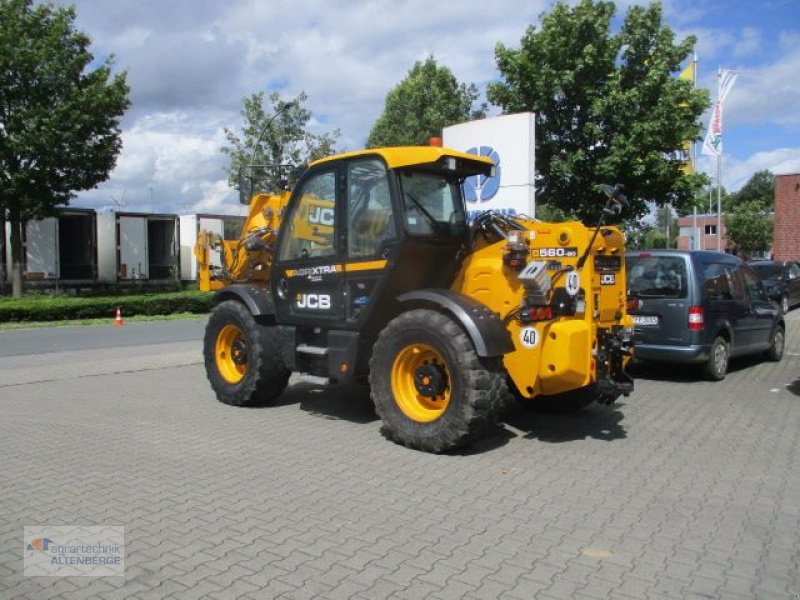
{"points": [[777, 344], [717, 366], [430, 388], [241, 357], [567, 402]]}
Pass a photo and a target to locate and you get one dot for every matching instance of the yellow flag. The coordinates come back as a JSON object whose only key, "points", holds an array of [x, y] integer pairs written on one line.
{"points": [[688, 72], [688, 75]]}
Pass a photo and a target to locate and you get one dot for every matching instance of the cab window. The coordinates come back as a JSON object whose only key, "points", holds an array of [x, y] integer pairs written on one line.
{"points": [[312, 226], [370, 218], [431, 204]]}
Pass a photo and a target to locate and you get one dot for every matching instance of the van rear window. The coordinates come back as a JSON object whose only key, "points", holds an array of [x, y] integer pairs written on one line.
{"points": [[657, 276]]}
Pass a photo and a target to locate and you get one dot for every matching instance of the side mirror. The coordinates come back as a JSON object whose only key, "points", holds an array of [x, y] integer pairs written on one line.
{"points": [[617, 200]]}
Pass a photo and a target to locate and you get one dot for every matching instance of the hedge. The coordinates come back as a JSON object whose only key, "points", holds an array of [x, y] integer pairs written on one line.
{"points": [[60, 308]]}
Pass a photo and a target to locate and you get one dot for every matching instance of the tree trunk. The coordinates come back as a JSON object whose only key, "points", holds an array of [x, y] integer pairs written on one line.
{"points": [[16, 254], [3, 251]]}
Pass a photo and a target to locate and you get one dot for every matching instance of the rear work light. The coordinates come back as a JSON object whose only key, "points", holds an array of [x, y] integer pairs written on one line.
{"points": [[696, 322]]}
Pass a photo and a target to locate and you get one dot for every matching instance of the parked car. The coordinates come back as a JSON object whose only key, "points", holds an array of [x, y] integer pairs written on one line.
{"points": [[781, 280], [700, 307]]}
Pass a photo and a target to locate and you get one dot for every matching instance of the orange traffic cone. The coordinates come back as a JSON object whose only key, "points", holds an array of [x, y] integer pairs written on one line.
{"points": [[118, 321]]}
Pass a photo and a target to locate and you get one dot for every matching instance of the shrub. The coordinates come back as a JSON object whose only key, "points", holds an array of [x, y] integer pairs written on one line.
{"points": [[59, 308]]}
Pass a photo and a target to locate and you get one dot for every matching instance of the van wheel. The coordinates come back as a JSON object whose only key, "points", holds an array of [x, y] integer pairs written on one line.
{"points": [[717, 365], [775, 352], [430, 388]]}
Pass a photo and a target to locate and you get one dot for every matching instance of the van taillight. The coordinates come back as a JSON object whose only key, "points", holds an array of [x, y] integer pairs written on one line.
{"points": [[696, 318]]}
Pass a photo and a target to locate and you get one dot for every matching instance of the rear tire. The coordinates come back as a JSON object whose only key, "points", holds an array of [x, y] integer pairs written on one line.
{"points": [[717, 366], [241, 357], [430, 388], [777, 345]]}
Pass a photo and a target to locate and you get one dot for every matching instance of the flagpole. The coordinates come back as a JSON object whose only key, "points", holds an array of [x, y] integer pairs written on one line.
{"points": [[696, 236], [719, 173]]}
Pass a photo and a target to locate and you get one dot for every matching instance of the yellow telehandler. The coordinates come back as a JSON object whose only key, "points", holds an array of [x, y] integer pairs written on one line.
{"points": [[369, 271]]}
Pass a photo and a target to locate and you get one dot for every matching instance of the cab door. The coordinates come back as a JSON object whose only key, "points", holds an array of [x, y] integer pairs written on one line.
{"points": [[308, 272], [372, 236]]}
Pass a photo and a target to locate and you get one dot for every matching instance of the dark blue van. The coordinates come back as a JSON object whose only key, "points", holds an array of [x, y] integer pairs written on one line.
{"points": [[700, 307]]}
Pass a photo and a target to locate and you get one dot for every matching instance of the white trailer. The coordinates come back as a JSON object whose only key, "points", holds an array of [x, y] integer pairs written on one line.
{"points": [[228, 227], [137, 246], [58, 248]]}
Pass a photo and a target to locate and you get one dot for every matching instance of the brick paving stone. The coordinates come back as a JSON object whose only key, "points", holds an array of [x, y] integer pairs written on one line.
{"points": [[686, 489]]}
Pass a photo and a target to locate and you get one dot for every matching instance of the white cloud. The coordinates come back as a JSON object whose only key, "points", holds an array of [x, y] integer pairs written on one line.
{"points": [[748, 43], [190, 63], [736, 171]]}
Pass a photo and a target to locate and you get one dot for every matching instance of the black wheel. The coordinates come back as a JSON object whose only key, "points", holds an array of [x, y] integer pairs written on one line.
{"points": [[241, 357], [784, 304], [777, 344], [567, 402], [717, 365], [430, 388]]}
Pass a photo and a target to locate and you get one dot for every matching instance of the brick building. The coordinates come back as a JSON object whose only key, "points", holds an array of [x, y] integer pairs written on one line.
{"points": [[706, 233], [786, 235]]}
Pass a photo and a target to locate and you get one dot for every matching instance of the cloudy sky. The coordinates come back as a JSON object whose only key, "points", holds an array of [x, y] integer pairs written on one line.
{"points": [[191, 62]]}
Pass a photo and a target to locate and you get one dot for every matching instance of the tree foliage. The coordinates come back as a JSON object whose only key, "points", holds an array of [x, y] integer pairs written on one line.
{"points": [[749, 226], [421, 105], [59, 114], [275, 132], [760, 188], [609, 108]]}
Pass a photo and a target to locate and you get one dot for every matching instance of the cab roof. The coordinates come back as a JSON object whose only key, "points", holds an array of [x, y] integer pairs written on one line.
{"points": [[409, 156]]}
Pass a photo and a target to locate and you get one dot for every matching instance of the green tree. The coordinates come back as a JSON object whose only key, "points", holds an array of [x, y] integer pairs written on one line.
{"points": [[275, 132], [59, 115], [427, 100], [609, 108], [759, 188], [749, 227], [553, 214], [666, 221]]}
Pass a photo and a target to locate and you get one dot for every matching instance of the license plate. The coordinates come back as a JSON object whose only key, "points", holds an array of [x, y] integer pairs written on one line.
{"points": [[645, 320]]}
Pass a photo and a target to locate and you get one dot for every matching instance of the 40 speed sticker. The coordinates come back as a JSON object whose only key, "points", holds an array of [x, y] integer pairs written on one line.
{"points": [[529, 337], [569, 252]]}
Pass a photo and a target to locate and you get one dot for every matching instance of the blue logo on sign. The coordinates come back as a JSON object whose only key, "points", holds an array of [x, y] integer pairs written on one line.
{"points": [[481, 188]]}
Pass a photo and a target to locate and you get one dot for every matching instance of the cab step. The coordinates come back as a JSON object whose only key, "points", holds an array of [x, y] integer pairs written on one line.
{"points": [[313, 379], [315, 350]]}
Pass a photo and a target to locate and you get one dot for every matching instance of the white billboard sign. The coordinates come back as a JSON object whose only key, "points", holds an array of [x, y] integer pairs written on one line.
{"points": [[509, 141]]}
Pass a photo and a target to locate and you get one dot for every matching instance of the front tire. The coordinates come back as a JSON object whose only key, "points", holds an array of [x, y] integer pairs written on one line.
{"points": [[777, 345], [241, 357], [430, 388], [717, 366]]}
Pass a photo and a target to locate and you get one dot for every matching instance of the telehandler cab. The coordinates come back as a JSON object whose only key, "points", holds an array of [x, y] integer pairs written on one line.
{"points": [[369, 271]]}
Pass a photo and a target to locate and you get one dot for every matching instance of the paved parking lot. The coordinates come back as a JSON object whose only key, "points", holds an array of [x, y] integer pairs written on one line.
{"points": [[688, 489]]}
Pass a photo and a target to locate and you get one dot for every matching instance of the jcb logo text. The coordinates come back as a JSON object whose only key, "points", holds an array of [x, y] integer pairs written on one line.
{"points": [[314, 301]]}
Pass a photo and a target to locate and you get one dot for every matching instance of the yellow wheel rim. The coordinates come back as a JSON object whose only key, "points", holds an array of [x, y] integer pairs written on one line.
{"points": [[407, 365], [231, 354]]}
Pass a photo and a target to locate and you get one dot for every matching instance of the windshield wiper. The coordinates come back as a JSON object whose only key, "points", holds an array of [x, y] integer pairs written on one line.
{"points": [[437, 226]]}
